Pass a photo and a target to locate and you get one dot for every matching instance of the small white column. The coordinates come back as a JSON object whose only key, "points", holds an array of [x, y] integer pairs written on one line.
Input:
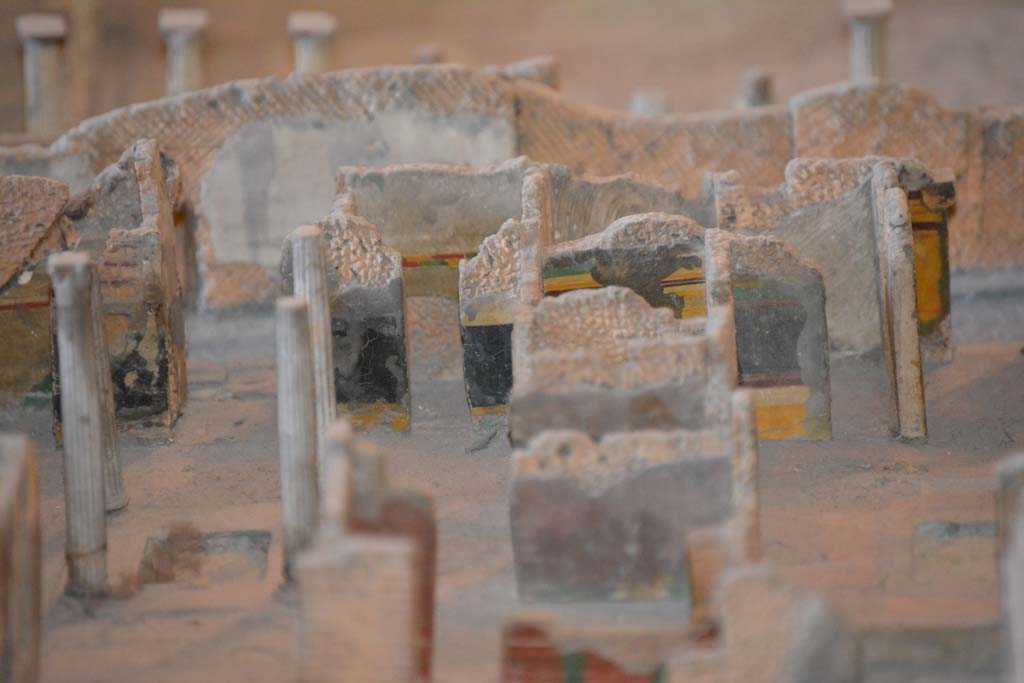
{"points": [[906, 341], [312, 33], [756, 90], [182, 30], [335, 487], [368, 482], [113, 481], [428, 53], [41, 38], [869, 21], [650, 102], [296, 428], [73, 275], [309, 273]]}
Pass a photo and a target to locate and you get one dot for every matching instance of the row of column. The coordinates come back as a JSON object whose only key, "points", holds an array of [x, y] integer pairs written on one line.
{"points": [[42, 37]]}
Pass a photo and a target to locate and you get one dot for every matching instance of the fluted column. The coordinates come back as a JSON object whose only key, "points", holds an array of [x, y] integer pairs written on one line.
{"points": [[310, 277], [42, 37], [182, 30], [756, 90], [650, 102], [81, 405], [296, 428], [869, 21], [312, 33], [334, 483]]}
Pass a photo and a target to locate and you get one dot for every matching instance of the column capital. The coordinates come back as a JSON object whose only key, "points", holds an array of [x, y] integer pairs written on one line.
{"points": [[867, 10], [181, 20], [32, 27], [311, 24]]}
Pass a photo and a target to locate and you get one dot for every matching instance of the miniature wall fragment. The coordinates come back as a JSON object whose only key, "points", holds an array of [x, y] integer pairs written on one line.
{"points": [[781, 340], [603, 360], [30, 212], [435, 216], [488, 296], [609, 520], [802, 641], [125, 222], [368, 328]]}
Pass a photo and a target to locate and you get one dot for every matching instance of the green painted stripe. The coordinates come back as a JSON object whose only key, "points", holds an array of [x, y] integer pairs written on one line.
{"points": [[574, 668], [562, 272]]}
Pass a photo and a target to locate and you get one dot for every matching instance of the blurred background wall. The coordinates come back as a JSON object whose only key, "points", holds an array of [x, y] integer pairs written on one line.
{"points": [[966, 52]]}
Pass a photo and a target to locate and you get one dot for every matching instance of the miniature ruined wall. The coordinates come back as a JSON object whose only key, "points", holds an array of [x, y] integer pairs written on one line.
{"points": [[1000, 238], [258, 156], [777, 306], [661, 257], [368, 324], [30, 217], [602, 361], [375, 508], [673, 151], [488, 296], [125, 222], [435, 216], [624, 506], [804, 640], [781, 339], [21, 608], [825, 212], [586, 204]]}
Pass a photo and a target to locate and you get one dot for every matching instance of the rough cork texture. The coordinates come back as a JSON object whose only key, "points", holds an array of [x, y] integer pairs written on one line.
{"points": [[243, 148], [596, 467], [30, 229], [609, 520], [29, 208], [603, 360], [258, 156], [602, 321], [495, 268], [673, 151], [892, 120], [635, 364], [770, 631], [355, 254]]}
